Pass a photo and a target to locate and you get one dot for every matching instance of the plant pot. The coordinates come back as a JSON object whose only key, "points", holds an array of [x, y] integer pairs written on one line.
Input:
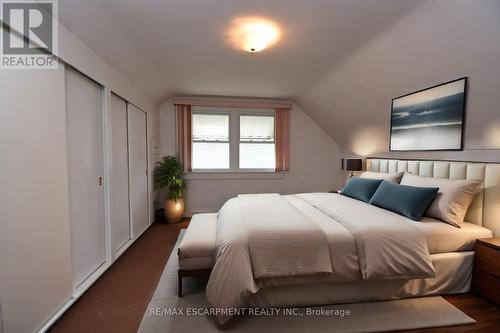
{"points": [[174, 210]]}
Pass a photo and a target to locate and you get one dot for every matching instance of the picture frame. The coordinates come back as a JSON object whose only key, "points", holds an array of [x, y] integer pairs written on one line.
{"points": [[430, 119]]}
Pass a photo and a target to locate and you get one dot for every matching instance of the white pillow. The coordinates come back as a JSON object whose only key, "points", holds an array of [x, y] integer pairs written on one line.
{"points": [[452, 200], [392, 177]]}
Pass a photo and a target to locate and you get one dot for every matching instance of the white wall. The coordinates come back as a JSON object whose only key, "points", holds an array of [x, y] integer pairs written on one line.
{"points": [[35, 252], [314, 165], [436, 42]]}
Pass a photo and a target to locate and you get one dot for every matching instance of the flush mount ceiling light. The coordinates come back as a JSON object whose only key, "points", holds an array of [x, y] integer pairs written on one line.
{"points": [[253, 34], [257, 36]]}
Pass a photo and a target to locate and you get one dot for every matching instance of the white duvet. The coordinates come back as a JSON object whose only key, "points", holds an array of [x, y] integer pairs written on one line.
{"points": [[268, 240]]}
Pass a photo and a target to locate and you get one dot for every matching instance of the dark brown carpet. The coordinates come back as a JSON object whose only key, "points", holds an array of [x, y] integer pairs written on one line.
{"points": [[117, 301]]}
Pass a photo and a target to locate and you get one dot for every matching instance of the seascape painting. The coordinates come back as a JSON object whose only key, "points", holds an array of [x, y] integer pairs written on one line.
{"points": [[430, 119]]}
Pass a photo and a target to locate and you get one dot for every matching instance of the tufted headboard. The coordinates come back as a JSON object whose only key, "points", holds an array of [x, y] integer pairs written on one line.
{"points": [[484, 210]]}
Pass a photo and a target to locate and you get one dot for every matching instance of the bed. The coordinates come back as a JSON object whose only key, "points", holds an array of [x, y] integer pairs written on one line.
{"points": [[325, 248]]}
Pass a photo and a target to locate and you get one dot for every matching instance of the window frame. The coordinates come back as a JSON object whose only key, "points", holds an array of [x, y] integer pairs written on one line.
{"points": [[234, 138]]}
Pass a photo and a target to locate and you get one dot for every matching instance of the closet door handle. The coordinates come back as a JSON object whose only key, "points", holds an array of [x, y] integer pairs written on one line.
{"points": [[100, 181]]}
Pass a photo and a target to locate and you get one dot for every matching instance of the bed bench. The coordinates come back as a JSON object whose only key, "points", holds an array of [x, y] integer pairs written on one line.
{"points": [[196, 249]]}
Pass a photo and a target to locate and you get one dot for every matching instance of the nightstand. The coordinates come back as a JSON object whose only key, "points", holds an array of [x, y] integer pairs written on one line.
{"points": [[486, 276]]}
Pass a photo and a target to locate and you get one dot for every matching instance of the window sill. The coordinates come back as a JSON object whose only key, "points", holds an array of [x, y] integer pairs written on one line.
{"points": [[233, 175]]}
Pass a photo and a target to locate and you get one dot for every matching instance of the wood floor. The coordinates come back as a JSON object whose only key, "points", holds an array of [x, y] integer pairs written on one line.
{"points": [[117, 301]]}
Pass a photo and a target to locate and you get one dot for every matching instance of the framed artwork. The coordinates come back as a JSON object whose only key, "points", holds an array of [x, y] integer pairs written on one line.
{"points": [[429, 119]]}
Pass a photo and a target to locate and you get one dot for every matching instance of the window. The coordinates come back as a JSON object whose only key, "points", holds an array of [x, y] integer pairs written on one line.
{"points": [[233, 141], [210, 141], [257, 149]]}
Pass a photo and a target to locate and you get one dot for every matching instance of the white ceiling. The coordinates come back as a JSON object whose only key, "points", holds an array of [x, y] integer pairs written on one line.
{"points": [[180, 47]]}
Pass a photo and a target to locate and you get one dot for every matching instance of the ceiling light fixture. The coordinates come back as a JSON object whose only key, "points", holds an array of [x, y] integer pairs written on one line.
{"points": [[254, 34]]}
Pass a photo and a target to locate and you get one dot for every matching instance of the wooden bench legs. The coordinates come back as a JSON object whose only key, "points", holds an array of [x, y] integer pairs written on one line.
{"points": [[181, 273], [179, 286]]}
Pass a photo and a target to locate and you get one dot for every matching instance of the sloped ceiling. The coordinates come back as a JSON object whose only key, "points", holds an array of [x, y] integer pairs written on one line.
{"points": [[180, 47], [438, 41], [341, 60]]}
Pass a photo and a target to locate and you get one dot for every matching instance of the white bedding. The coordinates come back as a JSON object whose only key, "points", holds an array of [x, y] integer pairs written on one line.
{"points": [[387, 246], [365, 243], [440, 237], [281, 240], [453, 276], [443, 238]]}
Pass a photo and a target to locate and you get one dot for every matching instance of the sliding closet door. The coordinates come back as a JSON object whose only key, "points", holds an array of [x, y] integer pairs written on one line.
{"points": [[85, 171], [138, 167], [118, 173]]}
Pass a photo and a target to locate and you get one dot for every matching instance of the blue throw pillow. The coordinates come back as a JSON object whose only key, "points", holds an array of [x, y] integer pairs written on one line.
{"points": [[361, 188], [409, 201]]}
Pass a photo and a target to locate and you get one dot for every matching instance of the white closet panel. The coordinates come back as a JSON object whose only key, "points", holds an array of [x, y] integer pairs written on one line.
{"points": [[138, 166], [85, 171], [35, 249], [118, 173]]}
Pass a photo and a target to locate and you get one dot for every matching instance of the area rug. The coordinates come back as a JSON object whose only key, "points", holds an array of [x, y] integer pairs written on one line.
{"points": [[168, 313]]}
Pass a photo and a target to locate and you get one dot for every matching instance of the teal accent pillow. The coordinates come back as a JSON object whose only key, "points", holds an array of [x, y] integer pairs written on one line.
{"points": [[409, 201], [361, 188]]}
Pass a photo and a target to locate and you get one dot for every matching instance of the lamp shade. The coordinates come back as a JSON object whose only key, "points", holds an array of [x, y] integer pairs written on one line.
{"points": [[352, 164]]}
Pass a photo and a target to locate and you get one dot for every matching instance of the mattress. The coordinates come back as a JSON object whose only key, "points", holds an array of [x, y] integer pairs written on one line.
{"points": [[442, 237], [369, 248], [451, 254]]}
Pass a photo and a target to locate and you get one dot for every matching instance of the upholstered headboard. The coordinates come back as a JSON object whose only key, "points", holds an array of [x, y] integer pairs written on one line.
{"points": [[484, 210]]}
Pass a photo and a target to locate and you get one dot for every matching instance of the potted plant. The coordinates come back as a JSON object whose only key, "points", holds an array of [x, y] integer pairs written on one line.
{"points": [[168, 175]]}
